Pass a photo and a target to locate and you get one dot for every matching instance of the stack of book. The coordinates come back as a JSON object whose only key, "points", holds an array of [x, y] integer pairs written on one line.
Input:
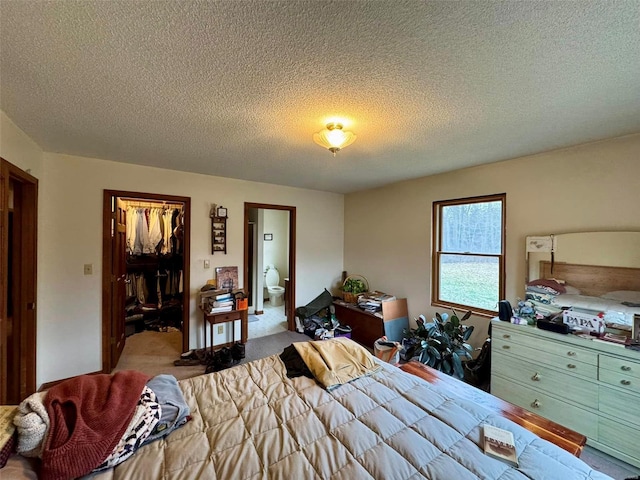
{"points": [[223, 302], [214, 300], [372, 301]]}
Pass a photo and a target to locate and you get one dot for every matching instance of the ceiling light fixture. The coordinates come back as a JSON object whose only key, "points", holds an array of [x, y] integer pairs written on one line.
{"points": [[334, 138]]}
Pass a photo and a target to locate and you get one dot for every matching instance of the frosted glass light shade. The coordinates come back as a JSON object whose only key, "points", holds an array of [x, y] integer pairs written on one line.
{"points": [[333, 138]]}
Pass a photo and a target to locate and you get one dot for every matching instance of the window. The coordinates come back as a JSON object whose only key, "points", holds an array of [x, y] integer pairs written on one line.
{"points": [[468, 253]]}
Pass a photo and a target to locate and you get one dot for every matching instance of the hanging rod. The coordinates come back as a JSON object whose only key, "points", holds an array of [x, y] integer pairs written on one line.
{"points": [[151, 204]]}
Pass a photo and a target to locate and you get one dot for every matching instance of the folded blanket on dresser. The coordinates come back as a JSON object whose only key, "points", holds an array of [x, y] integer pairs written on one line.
{"points": [[88, 415]]}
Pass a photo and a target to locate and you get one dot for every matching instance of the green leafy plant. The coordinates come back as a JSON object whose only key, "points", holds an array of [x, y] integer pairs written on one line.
{"points": [[441, 343], [354, 285]]}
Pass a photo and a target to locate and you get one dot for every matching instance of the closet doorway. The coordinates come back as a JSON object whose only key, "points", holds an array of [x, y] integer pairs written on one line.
{"points": [[18, 247], [254, 267], [145, 279]]}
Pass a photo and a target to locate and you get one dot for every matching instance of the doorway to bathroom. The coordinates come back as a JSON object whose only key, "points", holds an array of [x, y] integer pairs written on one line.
{"points": [[269, 267]]}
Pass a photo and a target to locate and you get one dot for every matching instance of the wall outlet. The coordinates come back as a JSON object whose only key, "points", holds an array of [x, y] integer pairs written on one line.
{"points": [[88, 269], [220, 329], [207, 264]]}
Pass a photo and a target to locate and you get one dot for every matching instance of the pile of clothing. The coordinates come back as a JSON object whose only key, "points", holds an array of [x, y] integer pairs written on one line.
{"points": [[540, 295], [94, 422]]}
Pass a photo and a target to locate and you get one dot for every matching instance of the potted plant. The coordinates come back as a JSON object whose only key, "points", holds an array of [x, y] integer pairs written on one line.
{"points": [[352, 287], [441, 343]]}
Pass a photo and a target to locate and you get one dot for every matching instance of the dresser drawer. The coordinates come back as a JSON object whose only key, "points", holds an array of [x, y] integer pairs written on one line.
{"points": [[620, 365], [568, 363], [619, 437], [539, 377], [545, 346], [619, 404], [621, 380], [559, 411]]}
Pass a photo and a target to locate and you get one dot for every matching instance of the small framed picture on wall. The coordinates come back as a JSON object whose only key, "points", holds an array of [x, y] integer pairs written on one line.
{"points": [[268, 237]]}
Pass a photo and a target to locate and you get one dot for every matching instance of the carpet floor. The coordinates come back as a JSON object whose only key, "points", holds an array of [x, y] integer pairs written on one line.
{"points": [[153, 353]]}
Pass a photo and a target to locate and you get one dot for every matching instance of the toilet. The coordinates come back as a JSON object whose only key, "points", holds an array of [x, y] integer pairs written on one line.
{"points": [[272, 280]]}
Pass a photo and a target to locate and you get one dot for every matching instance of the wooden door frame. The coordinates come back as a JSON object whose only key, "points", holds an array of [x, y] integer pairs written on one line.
{"points": [[291, 325], [108, 195], [26, 310]]}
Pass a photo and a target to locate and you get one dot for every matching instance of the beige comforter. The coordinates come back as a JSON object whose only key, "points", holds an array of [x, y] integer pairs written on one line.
{"points": [[252, 422]]}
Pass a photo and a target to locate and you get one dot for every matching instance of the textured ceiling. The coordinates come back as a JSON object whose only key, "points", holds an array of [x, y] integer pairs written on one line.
{"points": [[237, 88]]}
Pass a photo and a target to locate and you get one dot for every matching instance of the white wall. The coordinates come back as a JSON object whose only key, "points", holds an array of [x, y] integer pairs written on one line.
{"points": [[276, 251], [17, 148], [592, 187], [69, 311]]}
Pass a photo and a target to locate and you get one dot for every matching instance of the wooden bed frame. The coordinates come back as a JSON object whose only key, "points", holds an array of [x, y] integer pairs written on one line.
{"points": [[571, 441], [593, 280]]}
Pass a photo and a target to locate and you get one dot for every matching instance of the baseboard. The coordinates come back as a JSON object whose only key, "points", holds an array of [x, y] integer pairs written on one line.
{"points": [[48, 385]]}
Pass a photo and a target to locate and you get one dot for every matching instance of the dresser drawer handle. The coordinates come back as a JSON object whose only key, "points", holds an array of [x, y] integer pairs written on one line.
{"points": [[625, 382], [506, 335], [506, 347], [571, 354], [624, 368], [571, 365], [535, 403], [536, 377]]}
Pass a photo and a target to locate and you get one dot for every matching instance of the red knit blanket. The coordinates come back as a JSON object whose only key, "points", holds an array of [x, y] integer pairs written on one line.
{"points": [[88, 414]]}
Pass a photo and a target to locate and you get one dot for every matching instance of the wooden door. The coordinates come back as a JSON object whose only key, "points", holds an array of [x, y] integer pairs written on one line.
{"points": [[18, 221], [251, 269], [248, 238], [119, 278], [114, 270]]}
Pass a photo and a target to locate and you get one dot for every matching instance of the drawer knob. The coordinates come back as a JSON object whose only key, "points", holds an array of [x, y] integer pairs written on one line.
{"points": [[536, 377], [625, 368], [535, 403], [571, 354], [571, 365], [506, 347], [506, 335], [625, 382]]}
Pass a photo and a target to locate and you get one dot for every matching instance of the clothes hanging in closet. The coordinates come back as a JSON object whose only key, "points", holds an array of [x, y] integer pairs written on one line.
{"points": [[154, 230]]}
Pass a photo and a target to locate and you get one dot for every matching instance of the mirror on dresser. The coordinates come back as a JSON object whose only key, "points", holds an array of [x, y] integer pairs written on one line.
{"points": [[597, 271]]}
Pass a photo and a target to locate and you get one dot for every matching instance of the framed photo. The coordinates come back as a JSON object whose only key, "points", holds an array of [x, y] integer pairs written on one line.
{"points": [[222, 212], [635, 333], [227, 277], [268, 237]]}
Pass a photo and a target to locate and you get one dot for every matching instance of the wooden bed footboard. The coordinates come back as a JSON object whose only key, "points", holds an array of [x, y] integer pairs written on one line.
{"points": [[569, 440]]}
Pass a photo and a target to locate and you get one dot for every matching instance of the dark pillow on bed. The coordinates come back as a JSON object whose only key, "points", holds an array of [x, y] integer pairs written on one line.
{"points": [[548, 283]]}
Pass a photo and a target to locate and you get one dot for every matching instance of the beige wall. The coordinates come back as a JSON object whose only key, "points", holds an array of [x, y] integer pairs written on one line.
{"points": [[17, 148], [70, 232], [71, 236], [591, 187], [387, 231]]}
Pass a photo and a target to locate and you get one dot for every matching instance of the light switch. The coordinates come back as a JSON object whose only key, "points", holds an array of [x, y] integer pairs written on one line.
{"points": [[220, 329], [88, 269], [207, 264]]}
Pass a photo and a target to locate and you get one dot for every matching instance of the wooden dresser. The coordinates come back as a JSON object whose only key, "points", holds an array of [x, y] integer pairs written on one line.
{"points": [[366, 328], [589, 386]]}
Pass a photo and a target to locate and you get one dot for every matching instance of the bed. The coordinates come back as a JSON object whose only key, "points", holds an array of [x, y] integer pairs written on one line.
{"points": [[252, 421], [615, 291]]}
